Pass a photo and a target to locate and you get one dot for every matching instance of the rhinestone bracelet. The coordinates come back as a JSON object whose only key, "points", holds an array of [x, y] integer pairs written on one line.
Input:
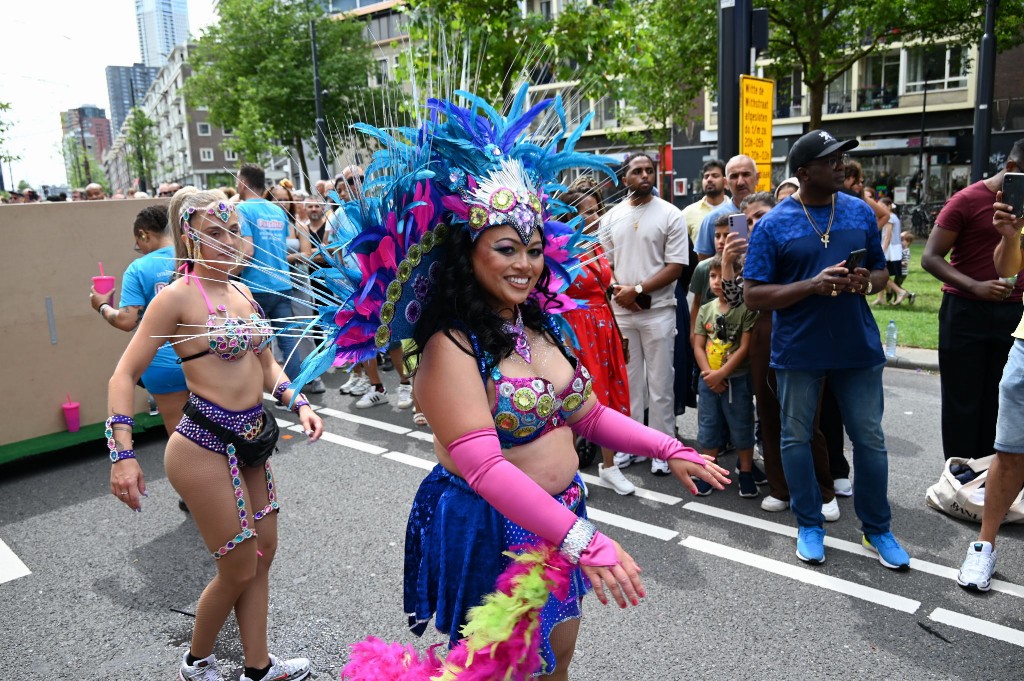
{"points": [[115, 455], [279, 390], [577, 540], [299, 403]]}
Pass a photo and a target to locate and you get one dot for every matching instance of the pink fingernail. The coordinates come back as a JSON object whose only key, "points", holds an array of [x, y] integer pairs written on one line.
{"points": [[259, 553]]}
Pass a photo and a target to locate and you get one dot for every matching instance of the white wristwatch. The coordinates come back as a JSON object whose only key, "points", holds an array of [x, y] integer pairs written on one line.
{"points": [[639, 288]]}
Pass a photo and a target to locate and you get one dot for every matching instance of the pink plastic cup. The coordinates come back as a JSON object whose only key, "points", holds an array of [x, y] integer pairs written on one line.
{"points": [[71, 416], [103, 284]]}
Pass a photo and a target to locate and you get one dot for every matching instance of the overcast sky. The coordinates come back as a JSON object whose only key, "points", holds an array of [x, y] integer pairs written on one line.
{"points": [[53, 57]]}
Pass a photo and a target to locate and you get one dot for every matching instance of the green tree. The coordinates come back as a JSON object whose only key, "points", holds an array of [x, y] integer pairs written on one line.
{"points": [[140, 147], [5, 156], [254, 71]]}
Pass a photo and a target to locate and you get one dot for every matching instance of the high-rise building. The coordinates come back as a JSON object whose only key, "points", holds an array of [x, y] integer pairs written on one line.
{"points": [[126, 86], [162, 25], [86, 136]]}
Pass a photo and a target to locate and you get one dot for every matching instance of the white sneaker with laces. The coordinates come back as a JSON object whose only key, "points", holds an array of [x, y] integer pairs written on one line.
{"points": [[203, 670], [623, 460], [831, 511], [294, 669], [362, 387], [353, 381], [843, 487], [980, 563], [773, 505], [614, 477], [372, 398], [659, 467], [404, 396]]}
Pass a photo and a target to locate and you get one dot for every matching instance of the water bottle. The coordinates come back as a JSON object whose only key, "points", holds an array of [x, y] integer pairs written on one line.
{"points": [[890, 339]]}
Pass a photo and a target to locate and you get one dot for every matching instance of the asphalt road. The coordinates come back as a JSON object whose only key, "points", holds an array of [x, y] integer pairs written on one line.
{"points": [[727, 598]]}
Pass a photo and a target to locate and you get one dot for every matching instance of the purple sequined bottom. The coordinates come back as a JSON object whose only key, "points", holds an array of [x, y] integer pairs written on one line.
{"points": [[247, 423]]}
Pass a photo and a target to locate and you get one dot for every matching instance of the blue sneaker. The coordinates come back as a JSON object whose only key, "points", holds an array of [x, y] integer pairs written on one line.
{"points": [[810, 545], [890, 553]]}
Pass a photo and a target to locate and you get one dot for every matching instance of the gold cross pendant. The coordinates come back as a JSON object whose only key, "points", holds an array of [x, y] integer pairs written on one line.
{"points": [[824, 239]]}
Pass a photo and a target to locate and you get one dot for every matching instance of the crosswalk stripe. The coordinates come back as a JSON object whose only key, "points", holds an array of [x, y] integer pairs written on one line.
{"points": [[800, 574], [667, 499], [11, 566], [410, 460], [978, 626], [842, 545], [625, 523], [358, 445], [364, 421]]}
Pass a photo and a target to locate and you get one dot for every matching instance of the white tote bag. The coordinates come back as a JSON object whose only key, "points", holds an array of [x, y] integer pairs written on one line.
{"points": [[966, 501]]}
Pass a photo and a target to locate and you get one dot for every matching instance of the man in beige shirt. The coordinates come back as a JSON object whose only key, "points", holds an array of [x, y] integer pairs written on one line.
{"points": [[713, 183]]}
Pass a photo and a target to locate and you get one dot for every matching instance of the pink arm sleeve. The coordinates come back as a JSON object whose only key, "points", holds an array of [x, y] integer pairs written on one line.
{"points": [[517, 497], [614, 430]]}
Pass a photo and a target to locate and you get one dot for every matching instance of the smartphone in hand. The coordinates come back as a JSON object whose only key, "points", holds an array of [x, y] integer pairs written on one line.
{"points": [[1013, 192], [738, 225], [855, 259]]}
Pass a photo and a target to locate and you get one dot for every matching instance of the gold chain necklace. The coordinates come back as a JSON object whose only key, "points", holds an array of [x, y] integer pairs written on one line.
{"points": [[639, 214], [821, 235]]}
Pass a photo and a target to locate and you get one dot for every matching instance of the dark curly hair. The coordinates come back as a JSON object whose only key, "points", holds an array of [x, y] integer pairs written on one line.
{"points": [[152, 219], [458, 304]]}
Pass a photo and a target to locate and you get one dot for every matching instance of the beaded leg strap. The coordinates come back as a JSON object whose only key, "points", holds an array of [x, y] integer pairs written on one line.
{"points": [[246, 532]]}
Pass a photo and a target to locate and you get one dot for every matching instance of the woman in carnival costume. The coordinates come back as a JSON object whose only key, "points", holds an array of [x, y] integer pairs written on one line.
{"points": [[458, 249], [217, 458]]}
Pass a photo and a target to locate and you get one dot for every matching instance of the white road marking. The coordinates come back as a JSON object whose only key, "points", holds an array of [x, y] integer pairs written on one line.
{"points": [[420, 435], [977, 626], [358, 445], [363, 421], [629, 524], [668, 499], [281, 423], [410, 460], [843, 545], [11, 566], [800, 574]]}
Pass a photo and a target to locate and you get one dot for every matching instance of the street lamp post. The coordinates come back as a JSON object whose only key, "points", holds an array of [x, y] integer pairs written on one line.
{"points": [[983, 111], [321, 142]]}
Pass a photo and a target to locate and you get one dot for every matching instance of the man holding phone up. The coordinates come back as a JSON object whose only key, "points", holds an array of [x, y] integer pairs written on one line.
{"points": [[645, 240], [978, 314], [822, 329]]}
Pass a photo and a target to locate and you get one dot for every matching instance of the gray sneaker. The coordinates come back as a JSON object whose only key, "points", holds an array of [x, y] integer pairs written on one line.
{"points": [[203, 670], [294, 669]]}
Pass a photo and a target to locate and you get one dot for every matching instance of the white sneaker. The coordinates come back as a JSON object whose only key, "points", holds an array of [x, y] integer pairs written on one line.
{"points": [[404, 396], [843, 487], [362, 387], [659, 467], [623, 460], [372, 398], [980, 563], [614, 477], [203, 670], [773, 505], [353, 381], [316, 387], [294, 669], [831, 511]]}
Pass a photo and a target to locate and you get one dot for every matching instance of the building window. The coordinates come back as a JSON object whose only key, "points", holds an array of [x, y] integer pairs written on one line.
{"points": [[206, 154], [383, 72], [228, 131], [881, 81], [937, 67], [203, 129], [230, 155]]}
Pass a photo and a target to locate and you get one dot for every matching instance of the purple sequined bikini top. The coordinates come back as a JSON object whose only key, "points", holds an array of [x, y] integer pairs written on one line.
{"points": [[526, 408], [232, 338]]}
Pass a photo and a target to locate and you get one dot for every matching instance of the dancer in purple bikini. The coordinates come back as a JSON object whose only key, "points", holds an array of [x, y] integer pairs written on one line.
{"points": [[217, 458]]}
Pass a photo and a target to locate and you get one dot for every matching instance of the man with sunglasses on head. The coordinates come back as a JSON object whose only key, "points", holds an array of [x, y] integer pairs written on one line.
{"points": [[823, 328]]}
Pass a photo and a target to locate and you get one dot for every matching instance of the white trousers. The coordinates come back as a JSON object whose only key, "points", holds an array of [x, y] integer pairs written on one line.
{"points": [[651, 335]]}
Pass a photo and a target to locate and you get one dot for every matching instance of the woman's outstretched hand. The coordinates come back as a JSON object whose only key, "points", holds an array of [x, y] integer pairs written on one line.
{"points": [[622, 579], [711, 473]]}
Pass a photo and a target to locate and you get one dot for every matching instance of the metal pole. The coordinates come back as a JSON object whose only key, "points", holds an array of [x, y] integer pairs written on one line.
{"points": [[321, 142], [922, 192], [983, 110], [734, 18]]}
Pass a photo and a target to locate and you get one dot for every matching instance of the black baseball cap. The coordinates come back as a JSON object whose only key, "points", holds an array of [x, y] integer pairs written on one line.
{"points": [[815, 144]]}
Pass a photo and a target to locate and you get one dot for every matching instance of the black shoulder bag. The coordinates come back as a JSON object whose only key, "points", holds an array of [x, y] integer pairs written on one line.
{"points": [[250, 453]]}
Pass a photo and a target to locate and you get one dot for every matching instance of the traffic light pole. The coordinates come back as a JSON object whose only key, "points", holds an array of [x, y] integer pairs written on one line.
{"points": [[983, 111], [321, 141]]}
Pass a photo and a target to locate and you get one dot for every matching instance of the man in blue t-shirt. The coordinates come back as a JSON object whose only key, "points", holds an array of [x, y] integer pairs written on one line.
{"points": [[823, 329], [264, 228]]}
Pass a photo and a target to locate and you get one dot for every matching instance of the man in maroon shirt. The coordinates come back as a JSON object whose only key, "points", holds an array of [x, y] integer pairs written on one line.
{"points": [[979, 311]]}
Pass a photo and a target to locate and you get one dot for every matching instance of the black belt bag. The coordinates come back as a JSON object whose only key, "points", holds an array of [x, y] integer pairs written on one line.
{"points": [[252, 452]]}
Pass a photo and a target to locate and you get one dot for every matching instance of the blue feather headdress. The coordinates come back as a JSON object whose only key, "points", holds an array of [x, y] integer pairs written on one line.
{"points": [[463, 167]]}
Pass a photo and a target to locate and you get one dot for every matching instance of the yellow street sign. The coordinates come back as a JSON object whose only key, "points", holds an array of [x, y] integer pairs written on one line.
{"points": [[757, 103]]}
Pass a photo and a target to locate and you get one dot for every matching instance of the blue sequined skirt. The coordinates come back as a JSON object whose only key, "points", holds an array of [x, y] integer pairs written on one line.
{"points": [[454, 546]]}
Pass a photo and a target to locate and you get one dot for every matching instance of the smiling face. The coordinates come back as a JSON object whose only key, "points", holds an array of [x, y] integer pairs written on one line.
{"points": [[506, 269]]}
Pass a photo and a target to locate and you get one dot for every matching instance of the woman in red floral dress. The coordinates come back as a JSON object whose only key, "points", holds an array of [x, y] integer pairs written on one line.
{"points": [[600, 342]]}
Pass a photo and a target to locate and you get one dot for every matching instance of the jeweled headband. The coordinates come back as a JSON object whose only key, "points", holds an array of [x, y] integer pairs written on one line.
{"points": [[221, 209], [505, 197]]}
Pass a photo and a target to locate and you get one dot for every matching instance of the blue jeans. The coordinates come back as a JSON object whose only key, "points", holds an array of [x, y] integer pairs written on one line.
{"points": [[277, 307], [731, 412], [859, 393]]}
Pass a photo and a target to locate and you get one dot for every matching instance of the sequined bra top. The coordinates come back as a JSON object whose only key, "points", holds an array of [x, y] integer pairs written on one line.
{"points": [[231, 338], [526, 408]]}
